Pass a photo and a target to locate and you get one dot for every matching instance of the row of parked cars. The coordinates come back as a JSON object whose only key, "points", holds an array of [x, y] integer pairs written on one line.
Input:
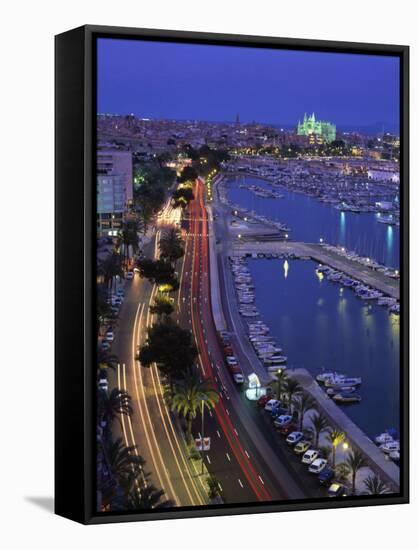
{"points": [[115, 300], [230, 359], [302, 445]]}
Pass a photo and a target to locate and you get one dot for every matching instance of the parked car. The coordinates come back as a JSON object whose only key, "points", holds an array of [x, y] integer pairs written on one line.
{"points": [[317, 465], [326, 476], [294, 437], [263, 400], [120, 292], [104, 345], [302, 446], [282, 420], [109, 335], [309, 456], [231, 360], [238, 378], [271, 404], [336, 490], [103, 385], [278, 411], [288, 428], [129, 275]]}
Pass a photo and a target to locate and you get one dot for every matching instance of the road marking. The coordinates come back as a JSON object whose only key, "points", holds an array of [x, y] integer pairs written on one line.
{"points": [[137, 323], [228, 457], [240, 483], [218, 433], [159, 399], [263, 483], [247, 454]]}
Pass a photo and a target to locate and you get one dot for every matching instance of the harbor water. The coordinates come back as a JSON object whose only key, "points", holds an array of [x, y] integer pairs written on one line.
{"points": [[311, 220], [321, 325], [318, 323]]}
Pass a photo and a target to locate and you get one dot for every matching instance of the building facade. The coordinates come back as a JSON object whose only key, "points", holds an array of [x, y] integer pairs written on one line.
{"points": [[318, 130], [114, 190]]}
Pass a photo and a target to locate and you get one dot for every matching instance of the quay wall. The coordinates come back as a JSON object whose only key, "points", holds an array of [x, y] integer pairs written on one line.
{"points": [[319, 254], [377, 461]]}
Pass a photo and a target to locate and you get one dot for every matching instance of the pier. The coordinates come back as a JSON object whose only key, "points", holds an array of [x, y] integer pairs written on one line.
{"points": [[377, 461], [320, 254]]}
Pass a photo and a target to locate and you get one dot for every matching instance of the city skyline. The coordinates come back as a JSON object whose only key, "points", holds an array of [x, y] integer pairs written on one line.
{"points": [[201, 82]]}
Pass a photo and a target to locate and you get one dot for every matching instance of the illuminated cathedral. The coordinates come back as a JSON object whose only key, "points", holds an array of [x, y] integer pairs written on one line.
{"points": [[324, 131]]}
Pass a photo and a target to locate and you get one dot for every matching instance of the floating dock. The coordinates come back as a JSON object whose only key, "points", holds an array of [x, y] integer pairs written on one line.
{"points": [[320, 254]]}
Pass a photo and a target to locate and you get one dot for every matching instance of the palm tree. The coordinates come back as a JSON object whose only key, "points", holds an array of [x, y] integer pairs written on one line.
{"points": [[355, 462], [302, 404], [129, 238], [342, 471], [171, 245], [189, 394], [113, 405], [320, 424], [325, 451], [123, 462], [110, 268], [335, 438], [146, 497], [292, 387], [374, 486], [213, 487], [162, 305], [281, 383]]}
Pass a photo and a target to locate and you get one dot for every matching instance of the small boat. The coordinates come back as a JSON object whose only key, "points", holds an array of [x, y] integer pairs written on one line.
{"points": [[395, 456], [279, 359], [390, 447], [347, 398], [328, 375], [395, 309], [345, 389], [385, 437], [341, 382], [386, 301]]}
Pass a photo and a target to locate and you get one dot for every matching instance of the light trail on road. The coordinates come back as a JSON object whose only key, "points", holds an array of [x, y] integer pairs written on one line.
{"points": [[200, 257]]}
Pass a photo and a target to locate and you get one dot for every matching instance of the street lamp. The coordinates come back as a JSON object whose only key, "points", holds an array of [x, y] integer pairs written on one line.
{"points": [[321, 240]]}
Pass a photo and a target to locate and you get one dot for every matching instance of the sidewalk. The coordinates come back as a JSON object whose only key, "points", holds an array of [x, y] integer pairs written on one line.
{"points": [[217, 309]]}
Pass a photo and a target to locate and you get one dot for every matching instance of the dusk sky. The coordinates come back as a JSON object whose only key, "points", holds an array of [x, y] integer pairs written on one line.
{"points": [[184, 81]]}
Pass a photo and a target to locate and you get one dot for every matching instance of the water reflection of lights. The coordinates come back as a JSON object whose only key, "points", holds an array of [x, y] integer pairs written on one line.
{"points": [[320, 275], [286, 268], [342, 223], [389, 238]]}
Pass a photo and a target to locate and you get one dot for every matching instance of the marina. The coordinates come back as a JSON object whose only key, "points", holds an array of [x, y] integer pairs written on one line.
{"points": [[360, 232]]}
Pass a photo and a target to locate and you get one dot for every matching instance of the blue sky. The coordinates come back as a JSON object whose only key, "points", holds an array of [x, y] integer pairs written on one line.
{"points": [[188, 81]]}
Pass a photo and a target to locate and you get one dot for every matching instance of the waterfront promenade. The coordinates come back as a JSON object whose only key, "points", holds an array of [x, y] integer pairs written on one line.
{"points": [[377, 461]]}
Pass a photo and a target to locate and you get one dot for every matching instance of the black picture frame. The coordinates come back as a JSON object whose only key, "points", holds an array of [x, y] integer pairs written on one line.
{"points": [[75, 234]]}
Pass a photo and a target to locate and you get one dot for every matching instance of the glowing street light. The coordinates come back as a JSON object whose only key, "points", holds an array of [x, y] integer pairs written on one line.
{"points": [[321, 239]]}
